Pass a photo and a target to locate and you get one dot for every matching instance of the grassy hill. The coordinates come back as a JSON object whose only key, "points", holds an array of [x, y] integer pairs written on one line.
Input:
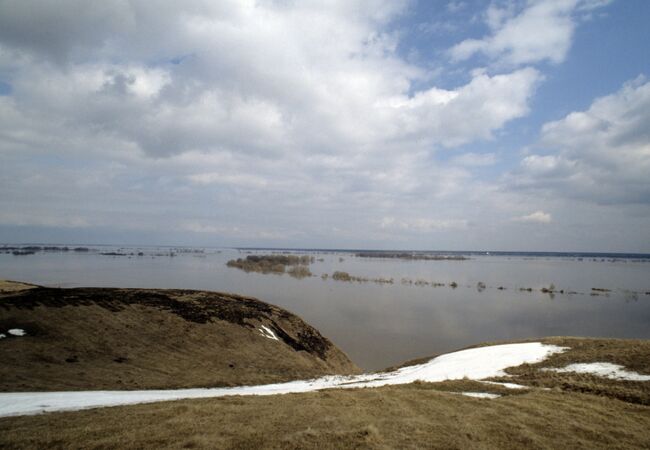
{"points": [[418, 415], [104, 338], [132, 339]]}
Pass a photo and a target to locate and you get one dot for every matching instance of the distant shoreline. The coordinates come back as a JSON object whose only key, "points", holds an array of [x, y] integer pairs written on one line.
{"points": [[350, 251]]}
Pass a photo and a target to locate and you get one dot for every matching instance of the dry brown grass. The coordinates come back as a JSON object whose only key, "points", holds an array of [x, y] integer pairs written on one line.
{"points": [[89, 338], [299, 271], [344, 276], [341, 276], [7, 286], [412, 416], [633, 354]]}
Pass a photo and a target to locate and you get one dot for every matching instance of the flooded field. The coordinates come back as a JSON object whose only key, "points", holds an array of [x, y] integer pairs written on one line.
{"points": [[389, 309]]}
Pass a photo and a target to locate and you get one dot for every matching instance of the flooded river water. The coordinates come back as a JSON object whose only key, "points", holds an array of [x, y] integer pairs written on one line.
{"points": [[379, 325]]}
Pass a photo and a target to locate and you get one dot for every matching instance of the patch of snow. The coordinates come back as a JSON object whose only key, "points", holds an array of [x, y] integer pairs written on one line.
{"points": [[268, 333], [506, 385], [17, 332], [602, 369], [475, 364], [480, 394], [2, 335]]}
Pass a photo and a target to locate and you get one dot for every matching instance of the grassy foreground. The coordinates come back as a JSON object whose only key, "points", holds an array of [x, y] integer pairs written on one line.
{"points": [[410, 416], [558, 410]]}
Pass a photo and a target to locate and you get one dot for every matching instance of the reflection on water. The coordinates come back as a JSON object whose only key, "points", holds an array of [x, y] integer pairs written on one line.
{"points": [[382, 324]]}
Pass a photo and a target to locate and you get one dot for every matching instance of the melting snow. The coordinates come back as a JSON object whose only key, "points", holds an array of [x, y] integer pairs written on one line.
{"points": [[475, 364], [507, 385], [267, 332], [480, 394], [17, 332], [602, 369]]}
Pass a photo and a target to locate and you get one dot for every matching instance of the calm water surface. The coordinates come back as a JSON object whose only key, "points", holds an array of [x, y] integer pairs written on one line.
{"points": [[382, 325]]}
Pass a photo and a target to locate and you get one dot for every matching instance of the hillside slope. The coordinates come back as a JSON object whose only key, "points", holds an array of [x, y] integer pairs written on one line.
{"points": [[552, 410], [107, 338]]}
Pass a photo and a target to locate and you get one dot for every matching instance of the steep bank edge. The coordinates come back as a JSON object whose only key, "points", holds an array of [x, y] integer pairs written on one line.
{"points": [[112, 338]]}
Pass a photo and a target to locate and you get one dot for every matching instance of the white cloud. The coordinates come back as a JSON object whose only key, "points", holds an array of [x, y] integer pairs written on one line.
{"points": [[422, 224], [535, 217], [294, 122], [228, 179], [26, 219], [471, 112], [601, 154], [541, 31], [269, 79], [590, 5], [267, 109], [455, 6]]}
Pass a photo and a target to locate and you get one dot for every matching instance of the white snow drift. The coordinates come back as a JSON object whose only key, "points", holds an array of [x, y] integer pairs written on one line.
{"points": [[603, 369], [480, 395], [475, 364], [17, 332], [268, 333], [506, 385]]}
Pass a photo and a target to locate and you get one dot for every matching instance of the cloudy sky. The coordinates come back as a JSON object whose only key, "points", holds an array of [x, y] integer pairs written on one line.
{"points": [[503, 125]]}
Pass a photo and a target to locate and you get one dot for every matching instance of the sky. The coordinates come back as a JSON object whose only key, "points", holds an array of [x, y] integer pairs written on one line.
{"points": [[430, 125]]}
